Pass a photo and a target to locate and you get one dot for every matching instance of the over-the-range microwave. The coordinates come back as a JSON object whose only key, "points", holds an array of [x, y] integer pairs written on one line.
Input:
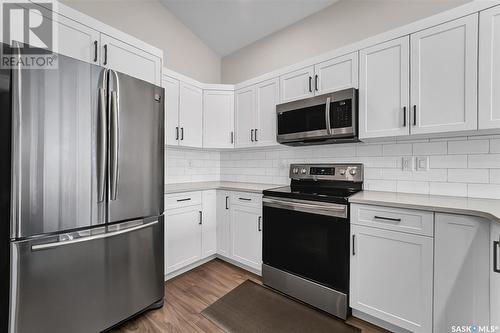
{"points": [[328, 118]]}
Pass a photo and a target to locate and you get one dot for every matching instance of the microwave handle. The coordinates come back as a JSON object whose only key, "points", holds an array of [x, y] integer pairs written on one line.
{"points": [[327, 115]]}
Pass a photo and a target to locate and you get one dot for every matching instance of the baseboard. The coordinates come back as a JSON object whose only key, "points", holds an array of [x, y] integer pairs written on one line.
{"points": [[240, 265], [378, 322], [189, 267]]}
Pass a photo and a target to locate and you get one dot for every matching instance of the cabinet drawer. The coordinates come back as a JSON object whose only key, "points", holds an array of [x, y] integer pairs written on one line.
{"points": [[185, 199], [405, 220], [246, 199]]}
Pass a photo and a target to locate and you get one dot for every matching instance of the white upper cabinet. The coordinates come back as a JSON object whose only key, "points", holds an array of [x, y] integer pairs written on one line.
{"points": [[171, 86], [190, 116], [384, 90], [444, 77], [245, 116], [267, 96], [218, 119], [297, 84], [495, 274], [489, 68], [125, 58], [336, 74], [461, 273]]}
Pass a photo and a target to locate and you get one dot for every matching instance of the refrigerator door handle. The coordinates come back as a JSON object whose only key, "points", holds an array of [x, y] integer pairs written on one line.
{"points": [[102, 138], [17, 116], [115, 137], [89, 238]]}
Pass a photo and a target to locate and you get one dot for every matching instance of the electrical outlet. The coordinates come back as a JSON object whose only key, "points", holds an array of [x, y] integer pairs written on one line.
{"points": [[408, 164], [422, 163]]}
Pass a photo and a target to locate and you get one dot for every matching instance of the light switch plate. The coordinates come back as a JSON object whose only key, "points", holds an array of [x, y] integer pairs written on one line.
{"points": [[422, 163], [408, 164]]}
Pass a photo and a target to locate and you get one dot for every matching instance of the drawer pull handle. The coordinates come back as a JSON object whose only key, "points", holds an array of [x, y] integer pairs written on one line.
{"points": [[245, 199], [386, 218], [181, 200], [496, 246]]}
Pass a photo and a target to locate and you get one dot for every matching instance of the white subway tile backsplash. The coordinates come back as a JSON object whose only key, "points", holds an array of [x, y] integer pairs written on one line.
{"points": [[453, 189], [484, 161], [458, 167], [469, 147], [469, 176], [448, 161], [430, 148]]}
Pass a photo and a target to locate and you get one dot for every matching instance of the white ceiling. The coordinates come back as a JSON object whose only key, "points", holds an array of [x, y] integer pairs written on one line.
{"points": [[228, 25]]}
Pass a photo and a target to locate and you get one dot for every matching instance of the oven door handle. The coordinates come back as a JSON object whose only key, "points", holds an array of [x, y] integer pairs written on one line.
{"points": [[328, 209]]}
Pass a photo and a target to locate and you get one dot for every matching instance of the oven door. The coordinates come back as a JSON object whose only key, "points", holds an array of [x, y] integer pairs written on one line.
{"points": [[308, 239]]}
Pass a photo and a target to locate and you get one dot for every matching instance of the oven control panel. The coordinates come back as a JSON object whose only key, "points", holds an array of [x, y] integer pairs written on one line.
{"points": [[340, 172]]}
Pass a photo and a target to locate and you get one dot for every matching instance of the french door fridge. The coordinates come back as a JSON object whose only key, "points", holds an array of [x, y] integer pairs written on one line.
{"points": [[81, 197]]}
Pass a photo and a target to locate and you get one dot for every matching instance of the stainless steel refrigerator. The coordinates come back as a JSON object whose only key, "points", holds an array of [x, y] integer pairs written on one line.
{"points": [[81, 198]]}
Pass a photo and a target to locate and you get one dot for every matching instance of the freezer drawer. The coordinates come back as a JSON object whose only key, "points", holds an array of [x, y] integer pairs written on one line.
{"points": [[86, 284]]}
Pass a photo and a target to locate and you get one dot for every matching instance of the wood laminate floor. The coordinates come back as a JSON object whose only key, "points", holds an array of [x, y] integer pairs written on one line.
{"points": [[190, 293]]}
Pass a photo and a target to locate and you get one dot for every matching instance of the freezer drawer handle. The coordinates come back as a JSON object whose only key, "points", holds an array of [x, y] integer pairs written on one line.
{"points": [[94, 237], [496, 246]]}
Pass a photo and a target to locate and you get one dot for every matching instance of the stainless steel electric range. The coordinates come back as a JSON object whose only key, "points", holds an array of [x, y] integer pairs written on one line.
{"points": [[306, 235]]}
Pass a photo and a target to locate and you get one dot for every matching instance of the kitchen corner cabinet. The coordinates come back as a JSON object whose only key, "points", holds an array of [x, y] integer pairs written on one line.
{"points": [[494, 256], [218, 119], [209, 223], [444, 77], [128, 59], [190, 116], [331, 75], [489, 68], [384, 92], [461, 271], [255, 114]]}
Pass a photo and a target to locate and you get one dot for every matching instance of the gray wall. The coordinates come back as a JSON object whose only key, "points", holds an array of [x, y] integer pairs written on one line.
{"points": [[340, 24], [151, 22]]}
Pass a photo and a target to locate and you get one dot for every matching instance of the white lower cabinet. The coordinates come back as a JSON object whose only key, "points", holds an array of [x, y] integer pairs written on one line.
{"points": [[391, 277], [461, 271], [209, 223], [223, 223], [495, 274], [246, 235], [182, 237]]}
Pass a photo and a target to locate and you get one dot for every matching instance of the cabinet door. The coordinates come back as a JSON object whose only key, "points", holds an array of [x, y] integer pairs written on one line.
{"points": [[336, 74], [218, 119], [171, 86], [489, 68], [444, 77], [73, 39], [130, 60], [461, 271], [267, 96], [245, 117], [190, 116], [495, 274], [384, 90], [297, 84], [209, 223], [223, 224], [391, 277], [182, 237], [246, 236]]}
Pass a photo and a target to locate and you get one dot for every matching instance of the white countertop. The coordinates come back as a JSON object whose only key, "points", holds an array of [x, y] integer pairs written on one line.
{"points": [[218, 185], [487, 208]]}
